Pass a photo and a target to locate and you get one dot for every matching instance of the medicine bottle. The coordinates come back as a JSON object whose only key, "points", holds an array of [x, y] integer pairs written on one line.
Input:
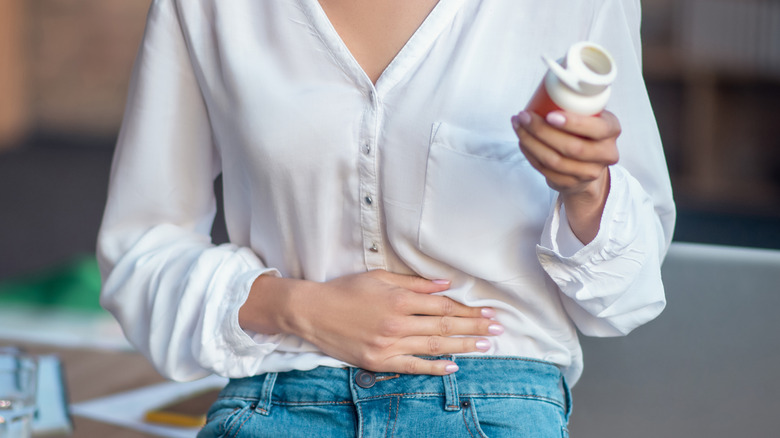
{"points": [[579, 83]]}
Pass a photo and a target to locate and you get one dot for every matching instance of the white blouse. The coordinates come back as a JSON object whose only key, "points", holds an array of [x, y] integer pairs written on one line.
{"points": [[326, 174]]}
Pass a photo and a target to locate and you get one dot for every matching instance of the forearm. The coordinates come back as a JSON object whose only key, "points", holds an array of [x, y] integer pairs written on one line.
{"points": [[613, 284], [176, 297]]}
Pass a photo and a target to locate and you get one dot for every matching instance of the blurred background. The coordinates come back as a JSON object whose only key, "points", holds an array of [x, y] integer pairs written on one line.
{"points": [[713, 73], [712, 69]]}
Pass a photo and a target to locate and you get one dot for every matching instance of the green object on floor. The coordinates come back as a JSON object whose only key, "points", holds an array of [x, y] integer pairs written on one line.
{"points": [[74, 285]]}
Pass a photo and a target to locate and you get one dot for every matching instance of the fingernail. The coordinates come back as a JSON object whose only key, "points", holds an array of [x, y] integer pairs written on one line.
{"points": [[451, 368], [521, 119], [487, 312], [495, 329], [483, 345], [441, 281], [556, 119]]}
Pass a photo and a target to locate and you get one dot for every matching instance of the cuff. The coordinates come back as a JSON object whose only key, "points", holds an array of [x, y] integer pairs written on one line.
{"points": [[241, 341], [565, 241], [596, 271], [234, 352]]}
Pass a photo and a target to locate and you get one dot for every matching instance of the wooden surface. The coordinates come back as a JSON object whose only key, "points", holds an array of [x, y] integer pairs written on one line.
{"points": [[91, 374], [14, 103]]}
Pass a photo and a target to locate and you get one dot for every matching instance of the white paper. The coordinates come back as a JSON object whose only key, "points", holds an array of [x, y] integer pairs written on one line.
{"points": [[52, 416], [128, 408], [61, 328]]}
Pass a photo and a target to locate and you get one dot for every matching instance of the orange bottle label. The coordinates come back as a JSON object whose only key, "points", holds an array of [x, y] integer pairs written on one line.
{"points": [[541, 103]]}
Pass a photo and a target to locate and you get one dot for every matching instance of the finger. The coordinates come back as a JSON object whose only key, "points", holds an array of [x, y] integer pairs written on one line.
{"points": [[599, 127], [540, 132], [552, 164], [415, 283], [415, 365], [556, 180], [441, 345], [433, 305], [450, 326]]}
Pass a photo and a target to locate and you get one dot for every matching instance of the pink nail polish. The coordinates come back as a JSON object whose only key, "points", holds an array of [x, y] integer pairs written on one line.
{"points": [[451, 368], [487, 312], [556, 119], [495, 329], [483, 345], [523, 118], [439, 281]]}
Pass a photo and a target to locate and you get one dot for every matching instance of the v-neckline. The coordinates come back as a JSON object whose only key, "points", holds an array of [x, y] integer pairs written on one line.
{"points": [[415, 47]]}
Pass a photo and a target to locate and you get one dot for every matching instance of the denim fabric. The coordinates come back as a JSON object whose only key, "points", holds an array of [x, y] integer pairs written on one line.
{"points": [[488, 397]]}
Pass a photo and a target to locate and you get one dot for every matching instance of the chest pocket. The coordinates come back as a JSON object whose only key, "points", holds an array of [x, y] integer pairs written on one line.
{"points": [[484, 206]]}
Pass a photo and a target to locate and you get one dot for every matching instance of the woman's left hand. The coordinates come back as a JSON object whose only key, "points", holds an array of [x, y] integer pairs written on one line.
{"points": [[573, 152]]}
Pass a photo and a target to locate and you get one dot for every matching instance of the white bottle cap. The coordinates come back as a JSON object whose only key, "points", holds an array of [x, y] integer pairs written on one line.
{"points": [[585, 74]]}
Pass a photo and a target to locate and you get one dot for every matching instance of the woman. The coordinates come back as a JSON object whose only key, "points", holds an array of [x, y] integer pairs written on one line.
{"points": [[396, 265]]}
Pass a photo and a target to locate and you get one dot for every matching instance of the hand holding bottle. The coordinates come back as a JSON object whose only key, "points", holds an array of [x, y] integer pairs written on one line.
{"points": [[567, 136], [574, 153]]}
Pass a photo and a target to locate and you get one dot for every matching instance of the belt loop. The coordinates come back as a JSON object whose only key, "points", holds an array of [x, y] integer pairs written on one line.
{"points": [[451, 398], [264, 402]]}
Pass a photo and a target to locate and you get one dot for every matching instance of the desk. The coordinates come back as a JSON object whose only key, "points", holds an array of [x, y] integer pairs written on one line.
{"points": [[91, 374]]}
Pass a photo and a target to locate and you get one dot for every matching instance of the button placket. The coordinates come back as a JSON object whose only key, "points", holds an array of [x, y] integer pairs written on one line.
{"points": [[368, 168]]}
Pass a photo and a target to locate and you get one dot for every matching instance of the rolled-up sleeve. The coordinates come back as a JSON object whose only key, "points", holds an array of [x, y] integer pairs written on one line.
{"points": [[175, 294], [613, 284]]}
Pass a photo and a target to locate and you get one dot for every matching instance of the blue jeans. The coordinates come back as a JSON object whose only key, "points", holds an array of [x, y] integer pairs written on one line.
{"points": [[488, 396]]}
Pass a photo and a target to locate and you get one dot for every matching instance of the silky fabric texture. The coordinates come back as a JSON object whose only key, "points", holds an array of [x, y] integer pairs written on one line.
{"points": [[489, 396], [327, 174]]}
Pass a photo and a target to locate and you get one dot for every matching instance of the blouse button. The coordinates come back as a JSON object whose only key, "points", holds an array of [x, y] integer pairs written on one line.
{"points": [[373, 248], [367, 148], [368, 200]]}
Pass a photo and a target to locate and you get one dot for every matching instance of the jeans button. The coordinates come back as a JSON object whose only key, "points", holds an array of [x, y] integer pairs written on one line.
{"points": [[365, 379]]}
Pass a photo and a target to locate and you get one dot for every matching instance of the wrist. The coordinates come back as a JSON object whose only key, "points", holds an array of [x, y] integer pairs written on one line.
{"points": [[269, 307], [585, 207]]}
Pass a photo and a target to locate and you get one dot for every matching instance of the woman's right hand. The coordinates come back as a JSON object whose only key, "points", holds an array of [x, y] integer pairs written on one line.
{"points": [[375, 320]]}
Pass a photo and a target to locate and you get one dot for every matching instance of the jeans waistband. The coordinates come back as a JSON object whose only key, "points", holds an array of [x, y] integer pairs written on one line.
{"points": [[478, 376]]}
